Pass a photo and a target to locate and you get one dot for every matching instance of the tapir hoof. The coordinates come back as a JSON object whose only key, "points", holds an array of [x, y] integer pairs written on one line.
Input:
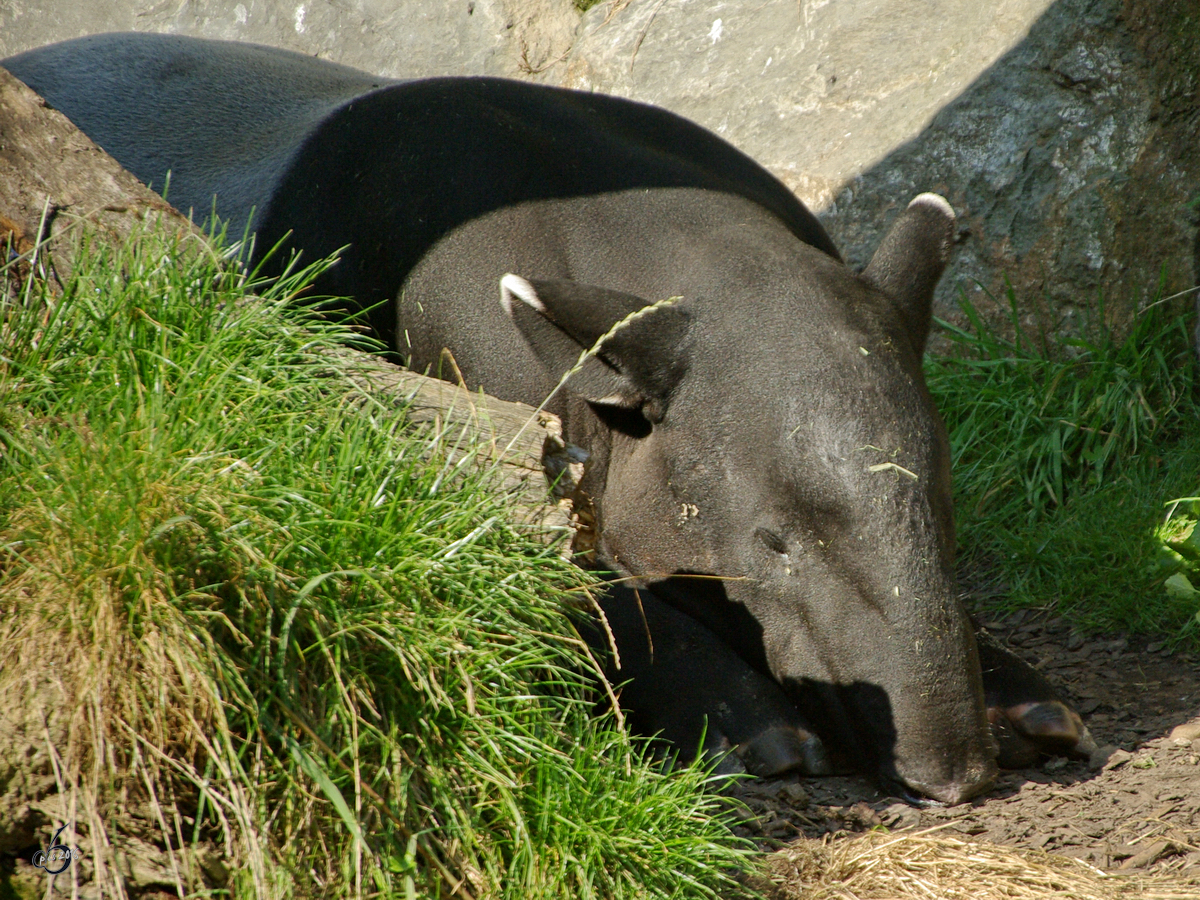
{"points": [[1027, 730], [1027, 717], [783, 749]]}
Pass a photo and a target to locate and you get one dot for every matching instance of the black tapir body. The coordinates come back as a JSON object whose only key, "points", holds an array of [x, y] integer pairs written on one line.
{"points": [[769, 429]]}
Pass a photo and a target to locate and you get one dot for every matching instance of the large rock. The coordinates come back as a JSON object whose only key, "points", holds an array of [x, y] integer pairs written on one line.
{"points": [[400, 38], [1065, 132]]}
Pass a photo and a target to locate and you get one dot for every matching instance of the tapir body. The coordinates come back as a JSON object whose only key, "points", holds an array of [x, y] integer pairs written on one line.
{"points": [[765, 456]]}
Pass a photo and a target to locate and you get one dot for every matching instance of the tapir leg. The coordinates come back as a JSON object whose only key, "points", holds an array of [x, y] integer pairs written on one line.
{"points": [[1027, 716], [681, 683]]}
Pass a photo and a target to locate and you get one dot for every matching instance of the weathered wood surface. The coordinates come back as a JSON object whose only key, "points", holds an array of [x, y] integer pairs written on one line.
{"points": [[55, 184], [525, 444]]}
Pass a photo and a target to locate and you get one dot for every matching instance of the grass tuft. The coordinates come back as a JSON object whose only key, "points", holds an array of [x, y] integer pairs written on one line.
{"points": [[271, 630], [1064, 455]]}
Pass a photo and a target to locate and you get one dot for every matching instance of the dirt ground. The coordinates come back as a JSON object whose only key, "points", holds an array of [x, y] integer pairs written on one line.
{"points": [[1137, 810]]}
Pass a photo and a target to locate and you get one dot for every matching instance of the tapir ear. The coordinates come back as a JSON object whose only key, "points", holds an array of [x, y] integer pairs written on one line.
{"points": [[638, 366], [911, 259]]}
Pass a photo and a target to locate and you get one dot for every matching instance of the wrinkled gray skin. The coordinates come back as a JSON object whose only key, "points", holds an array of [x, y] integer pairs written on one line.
{"points": [[771, 427], [786, 407]]}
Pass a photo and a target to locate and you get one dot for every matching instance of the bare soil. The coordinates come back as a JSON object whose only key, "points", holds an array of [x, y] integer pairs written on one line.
{"points": [[1135, 806]]}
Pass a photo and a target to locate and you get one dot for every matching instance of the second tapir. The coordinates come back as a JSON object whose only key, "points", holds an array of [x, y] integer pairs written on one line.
{"points": [[769, 429]]}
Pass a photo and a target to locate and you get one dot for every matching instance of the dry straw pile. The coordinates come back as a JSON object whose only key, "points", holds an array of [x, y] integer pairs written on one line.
{"points": [[925, 866]]}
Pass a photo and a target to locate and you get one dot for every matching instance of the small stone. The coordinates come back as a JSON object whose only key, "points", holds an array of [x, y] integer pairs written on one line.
{"points": [[1075, 641], [796, 795], [1188, 731], [900, 816], [1107, 757], [779, 828], [213, 865], [862, 815], [1149, 855]]}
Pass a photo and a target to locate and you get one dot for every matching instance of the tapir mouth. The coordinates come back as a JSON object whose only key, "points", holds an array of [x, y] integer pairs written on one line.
{"points": [[973, 781], [943, 768]]}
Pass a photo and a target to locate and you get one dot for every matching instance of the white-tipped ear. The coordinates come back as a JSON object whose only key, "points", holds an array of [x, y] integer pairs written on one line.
{"points": [[910, 260], [937, 201], [514, 287]]}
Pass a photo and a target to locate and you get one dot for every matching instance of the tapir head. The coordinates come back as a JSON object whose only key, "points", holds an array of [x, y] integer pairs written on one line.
{"points": [[773, 429]]}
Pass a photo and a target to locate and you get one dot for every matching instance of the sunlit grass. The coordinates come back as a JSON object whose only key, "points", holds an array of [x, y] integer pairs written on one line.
{"points": [[1064, 456], [262, 616]]}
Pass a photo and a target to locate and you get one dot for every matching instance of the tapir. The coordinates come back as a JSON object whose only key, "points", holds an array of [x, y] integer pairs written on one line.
{"points": [[766, 463]]}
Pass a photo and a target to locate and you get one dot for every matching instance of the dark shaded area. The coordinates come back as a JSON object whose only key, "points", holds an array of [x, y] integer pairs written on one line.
{"points": [[678, 681], [682, 682], [709, 694]]}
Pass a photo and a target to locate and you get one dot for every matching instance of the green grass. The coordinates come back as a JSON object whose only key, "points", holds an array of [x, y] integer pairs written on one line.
{"points": [[284, 625], [1065, 456], [1178, 553]]}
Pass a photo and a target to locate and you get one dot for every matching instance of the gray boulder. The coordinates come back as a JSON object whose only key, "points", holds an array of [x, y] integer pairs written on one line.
{"points": [[399, 38], [1065, 132]]}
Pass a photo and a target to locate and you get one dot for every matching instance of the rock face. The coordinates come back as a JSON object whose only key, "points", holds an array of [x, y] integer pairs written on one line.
{"points": [[1065, 132], [1059, 130], [400, 38]]}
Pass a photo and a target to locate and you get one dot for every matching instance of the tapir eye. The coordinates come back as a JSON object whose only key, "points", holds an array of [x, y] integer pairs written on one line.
{"points": [[772, 540]]}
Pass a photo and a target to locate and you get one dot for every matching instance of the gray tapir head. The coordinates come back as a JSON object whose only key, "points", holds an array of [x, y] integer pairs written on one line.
{"points": [[774, 428]]}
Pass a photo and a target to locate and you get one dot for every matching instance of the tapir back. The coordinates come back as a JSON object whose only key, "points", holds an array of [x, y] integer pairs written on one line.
{"points": [[223, 119], [337, 158]]}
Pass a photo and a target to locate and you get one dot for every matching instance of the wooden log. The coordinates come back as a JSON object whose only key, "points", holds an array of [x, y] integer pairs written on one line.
{"points": [[54, 183], [537, 469]]}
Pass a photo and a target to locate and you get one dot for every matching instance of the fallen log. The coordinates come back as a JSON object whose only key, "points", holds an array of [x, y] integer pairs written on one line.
{"points": [[55, 183], [538, 470]]}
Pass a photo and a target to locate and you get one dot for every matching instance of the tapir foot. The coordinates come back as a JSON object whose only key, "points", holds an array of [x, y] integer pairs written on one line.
{"points": [[1028, 719], [1027, 730], [785, 749]]}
